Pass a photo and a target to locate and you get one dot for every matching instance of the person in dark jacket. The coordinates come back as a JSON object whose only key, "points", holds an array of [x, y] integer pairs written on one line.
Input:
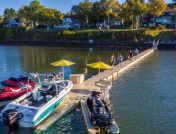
{"points": [[130, 54]]}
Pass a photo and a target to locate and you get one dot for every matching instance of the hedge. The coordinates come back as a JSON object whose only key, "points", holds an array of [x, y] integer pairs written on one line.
{"points": [[21, 34]]}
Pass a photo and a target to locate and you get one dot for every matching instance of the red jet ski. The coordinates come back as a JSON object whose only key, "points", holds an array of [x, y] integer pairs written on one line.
{"points": [[15, 87]]}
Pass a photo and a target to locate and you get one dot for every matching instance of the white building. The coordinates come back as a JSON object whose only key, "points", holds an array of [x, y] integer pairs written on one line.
{"points": [[66, 24]]}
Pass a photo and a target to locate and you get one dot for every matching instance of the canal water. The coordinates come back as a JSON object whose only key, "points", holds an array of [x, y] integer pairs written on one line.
{"points": [[143, 98]]}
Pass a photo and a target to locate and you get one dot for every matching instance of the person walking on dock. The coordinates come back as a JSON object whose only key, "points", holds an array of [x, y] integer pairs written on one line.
{"points": [[113, 60], [85, 71], [136, 52], [120, 59], [130, 55]]}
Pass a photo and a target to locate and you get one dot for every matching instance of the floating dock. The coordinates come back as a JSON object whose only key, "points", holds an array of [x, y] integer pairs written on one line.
{"points": [[91, 129], [57, 114], [114, 129], [113, 73], [83, 90]]}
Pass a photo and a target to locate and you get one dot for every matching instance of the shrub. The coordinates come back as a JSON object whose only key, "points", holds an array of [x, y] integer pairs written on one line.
{"points": [[81, 35]]}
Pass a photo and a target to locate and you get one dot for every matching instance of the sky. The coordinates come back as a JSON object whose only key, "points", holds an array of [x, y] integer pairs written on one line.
{"points": [[61, 5]]}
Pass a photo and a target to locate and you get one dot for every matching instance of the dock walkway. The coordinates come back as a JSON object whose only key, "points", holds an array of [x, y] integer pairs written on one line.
{"points": [[81, 91], [113, 73]]}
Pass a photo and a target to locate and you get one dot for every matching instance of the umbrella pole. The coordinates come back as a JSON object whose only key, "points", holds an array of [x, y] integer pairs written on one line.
{"points": [[63, 72], [99, 70]]}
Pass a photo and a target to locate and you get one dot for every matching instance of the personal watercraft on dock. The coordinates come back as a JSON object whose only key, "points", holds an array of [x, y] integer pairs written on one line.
{"points": [[98, 115], [15, 87]]}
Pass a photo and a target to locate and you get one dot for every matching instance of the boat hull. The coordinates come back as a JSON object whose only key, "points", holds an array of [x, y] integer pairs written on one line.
{"points": [[43, 115], [48, 111]]}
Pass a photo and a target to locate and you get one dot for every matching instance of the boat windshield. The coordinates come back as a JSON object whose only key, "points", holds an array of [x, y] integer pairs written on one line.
{"points": [[46, 86]]}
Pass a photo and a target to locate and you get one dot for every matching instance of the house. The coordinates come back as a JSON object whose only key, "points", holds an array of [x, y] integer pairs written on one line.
{"points": [[14, 22], [147, 20], [115, 22], [167, 18], [66, 24]]}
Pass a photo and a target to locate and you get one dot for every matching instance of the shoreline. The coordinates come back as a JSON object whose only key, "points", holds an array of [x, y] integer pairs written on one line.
{"points": [[77, 44], [112, 39], [85, 45]]}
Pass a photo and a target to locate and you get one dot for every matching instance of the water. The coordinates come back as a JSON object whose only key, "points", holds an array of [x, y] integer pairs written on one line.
{"points": [[143, 98], [17, 60]]}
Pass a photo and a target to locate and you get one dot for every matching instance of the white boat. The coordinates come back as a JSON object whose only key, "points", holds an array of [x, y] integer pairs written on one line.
{"points": [[32, 108]]}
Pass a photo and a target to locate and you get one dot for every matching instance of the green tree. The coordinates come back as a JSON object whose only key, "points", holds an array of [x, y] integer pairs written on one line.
{"points": [[140, 8], [156, 7], [82, 12], [9, 13], [132, 11], [49, 16], [37, 13], [126, 13], [30, 12], [109, 8], [24, 14], [1, 19], [96, 11], [35, 8]]}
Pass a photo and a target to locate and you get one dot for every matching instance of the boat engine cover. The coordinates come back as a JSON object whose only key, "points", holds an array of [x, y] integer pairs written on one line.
{"points": [[10, 117]]}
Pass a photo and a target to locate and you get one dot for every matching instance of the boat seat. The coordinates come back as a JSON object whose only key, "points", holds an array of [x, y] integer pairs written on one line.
{"points": [[29, 103], [49, 97], [36, 95]]}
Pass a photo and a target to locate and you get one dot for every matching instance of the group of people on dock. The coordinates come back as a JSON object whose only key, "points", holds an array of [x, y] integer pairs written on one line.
{"points": [[131, 53], [120, 57], [117, 60]]}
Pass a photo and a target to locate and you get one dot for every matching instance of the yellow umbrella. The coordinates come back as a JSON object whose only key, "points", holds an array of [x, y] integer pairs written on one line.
{"points": [[99, 65], [62, 63]]}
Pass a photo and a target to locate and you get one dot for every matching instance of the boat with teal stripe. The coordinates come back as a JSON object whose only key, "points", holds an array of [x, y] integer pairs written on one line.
{"points": [[32, 108]]}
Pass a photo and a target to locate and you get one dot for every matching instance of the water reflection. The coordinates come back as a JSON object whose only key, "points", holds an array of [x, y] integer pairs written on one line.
{"points": [[10, 62], [16, 60]]}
